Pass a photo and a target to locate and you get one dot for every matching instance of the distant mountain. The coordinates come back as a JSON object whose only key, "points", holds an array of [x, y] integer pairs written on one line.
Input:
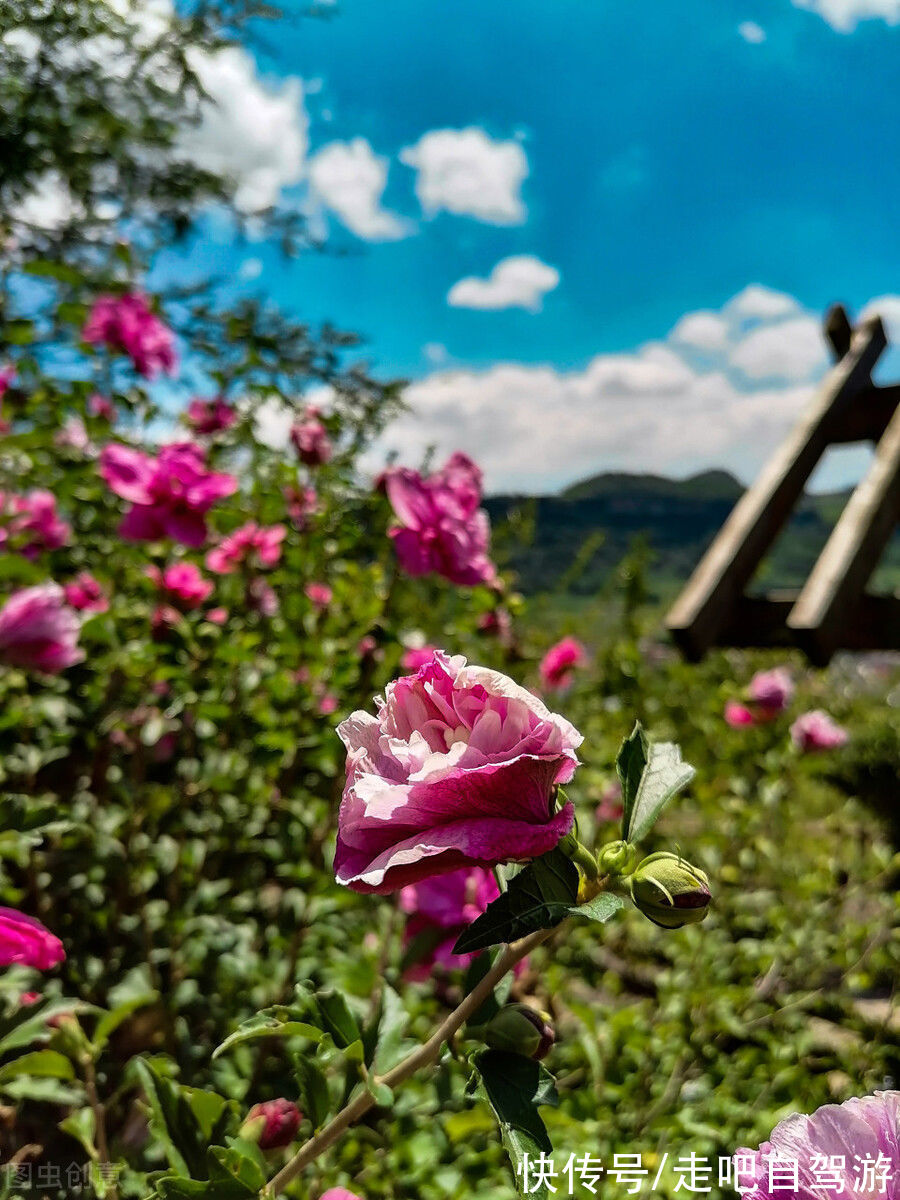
{"points": [[576, 539]]}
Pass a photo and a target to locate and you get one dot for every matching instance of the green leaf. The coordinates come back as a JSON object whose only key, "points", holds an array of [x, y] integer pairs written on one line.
{"points": [[394, 1020], [110, 1022], [279, 1021], [314, 1094], [186, 1120], [601, 908], [515, 1087], [651, 773], [29, 1025], [47, 1064], [81, 1126], [478, 968], [537, 898], [330, 1011]]}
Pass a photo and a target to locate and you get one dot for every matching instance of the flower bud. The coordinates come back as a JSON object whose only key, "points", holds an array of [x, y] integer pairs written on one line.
{"points": [[519, 1029], [669, 891], [272, 1124], [616, 858]]}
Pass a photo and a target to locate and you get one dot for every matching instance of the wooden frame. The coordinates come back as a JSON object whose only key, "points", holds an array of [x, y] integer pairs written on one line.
{"points": [[832, 611]]}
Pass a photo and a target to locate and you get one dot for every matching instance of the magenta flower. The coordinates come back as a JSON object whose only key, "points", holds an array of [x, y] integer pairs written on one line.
{"points": [[38, 630], [442, 530], [852, 1149], [319, 595], [126, 323], [559, 663], [85, 594], [439, 909], [210, 416], [338, 1193], [311, 440], [417, 656], [816, 730], [738, 715], [218, 616], [102, 407], [259, 544], [184, 582], [169, 495], [272, 1124], [25, 940], [35, 524], [457, 769], [772, 690]]}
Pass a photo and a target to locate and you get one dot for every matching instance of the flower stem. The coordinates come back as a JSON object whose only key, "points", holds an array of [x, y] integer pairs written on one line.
{"points": [[423, 1056]]}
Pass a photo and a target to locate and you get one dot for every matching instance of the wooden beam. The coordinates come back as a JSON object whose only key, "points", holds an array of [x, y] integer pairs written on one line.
{"points": [[761, 621], [700, 613], [869, 415], [822, 612], [838, 330]]}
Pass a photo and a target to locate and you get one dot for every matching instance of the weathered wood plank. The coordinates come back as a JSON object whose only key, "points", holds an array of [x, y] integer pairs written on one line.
{"points": [[701, 611], [761, 621], [869, 415], [826, 602], [838, 330]]}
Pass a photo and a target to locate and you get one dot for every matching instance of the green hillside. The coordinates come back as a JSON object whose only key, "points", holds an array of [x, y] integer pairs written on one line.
{"points": [[574, 540]]}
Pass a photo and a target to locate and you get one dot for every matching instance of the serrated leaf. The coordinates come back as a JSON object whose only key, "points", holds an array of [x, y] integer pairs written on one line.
{"points": [[279, 1021], [601, 908], [537, 898], [651, 773], [515, 1087]]}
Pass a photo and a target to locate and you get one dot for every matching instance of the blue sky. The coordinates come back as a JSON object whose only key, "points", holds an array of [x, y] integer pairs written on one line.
{"points": [[638, 163]]}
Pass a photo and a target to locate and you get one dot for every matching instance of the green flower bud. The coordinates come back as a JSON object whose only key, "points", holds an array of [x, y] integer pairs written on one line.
{"points": [[616, 858], [519, 1029], [669, 891]]}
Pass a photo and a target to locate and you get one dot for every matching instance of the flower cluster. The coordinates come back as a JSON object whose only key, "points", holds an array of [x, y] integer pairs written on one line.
{"points": [[126, 323], [32, 523], [252, 543], [769, 694]]}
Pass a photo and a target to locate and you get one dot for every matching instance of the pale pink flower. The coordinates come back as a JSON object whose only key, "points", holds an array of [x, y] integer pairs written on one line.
{"points": [[261, 598], [184, 582], [328, 704], [25, 940], [85, 594], [301, 503], [738, 715], [210, 416], [319, 595], [772, 690], [816, 730], [163, 620], [170, 494], [338, 1193], [830, 1148], [439, 909], [417, 656], [442, 530], [38, 629], [311, 440], [73, 436], [610, 807], [127, 323], [259, 545], [102, 408], [218, 616], [456, 769], [559, 663]]}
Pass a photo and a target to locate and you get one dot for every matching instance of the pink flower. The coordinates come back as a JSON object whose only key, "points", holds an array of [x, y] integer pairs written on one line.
{"points": [[272, 1124], [36, 521], [126, 323], [328, 704], [772, 690], [86, 594], [417, 656], [496, 623], [210, 416], [162, 621], [184, 581], [260, 544], [25, 940], [457, 769], [301, 503], [261, 598], [38, 630], [28, 998], [816, 730], [319, 595], [102, 407], [218, 616], [440, 909], [169, 495], [338, 1193], [558, 664], [311, 441], [837, 1136], [442, 529], [738, 715], [610, 807], [73, 436]]}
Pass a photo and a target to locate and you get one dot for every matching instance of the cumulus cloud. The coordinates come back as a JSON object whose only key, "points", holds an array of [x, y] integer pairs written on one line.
{"points": [[349, 178], [465, 171], [720, 390], [751, 32], [845, 15], [520, 281]]}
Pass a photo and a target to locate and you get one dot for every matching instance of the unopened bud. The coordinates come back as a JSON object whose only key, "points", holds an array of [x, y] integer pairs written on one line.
{"points": [[272, 1124], [616, 858], [669, 891], [519, 1029]]}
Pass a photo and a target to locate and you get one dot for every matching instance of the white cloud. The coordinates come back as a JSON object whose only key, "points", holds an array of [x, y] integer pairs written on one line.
{"points": [[888, 308], [721, 390], [751, 32], [465, 171], [844, 15], [350, 178], [49, 206], [251, 268], [252, 130], [272, 423], [520, 281]]}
